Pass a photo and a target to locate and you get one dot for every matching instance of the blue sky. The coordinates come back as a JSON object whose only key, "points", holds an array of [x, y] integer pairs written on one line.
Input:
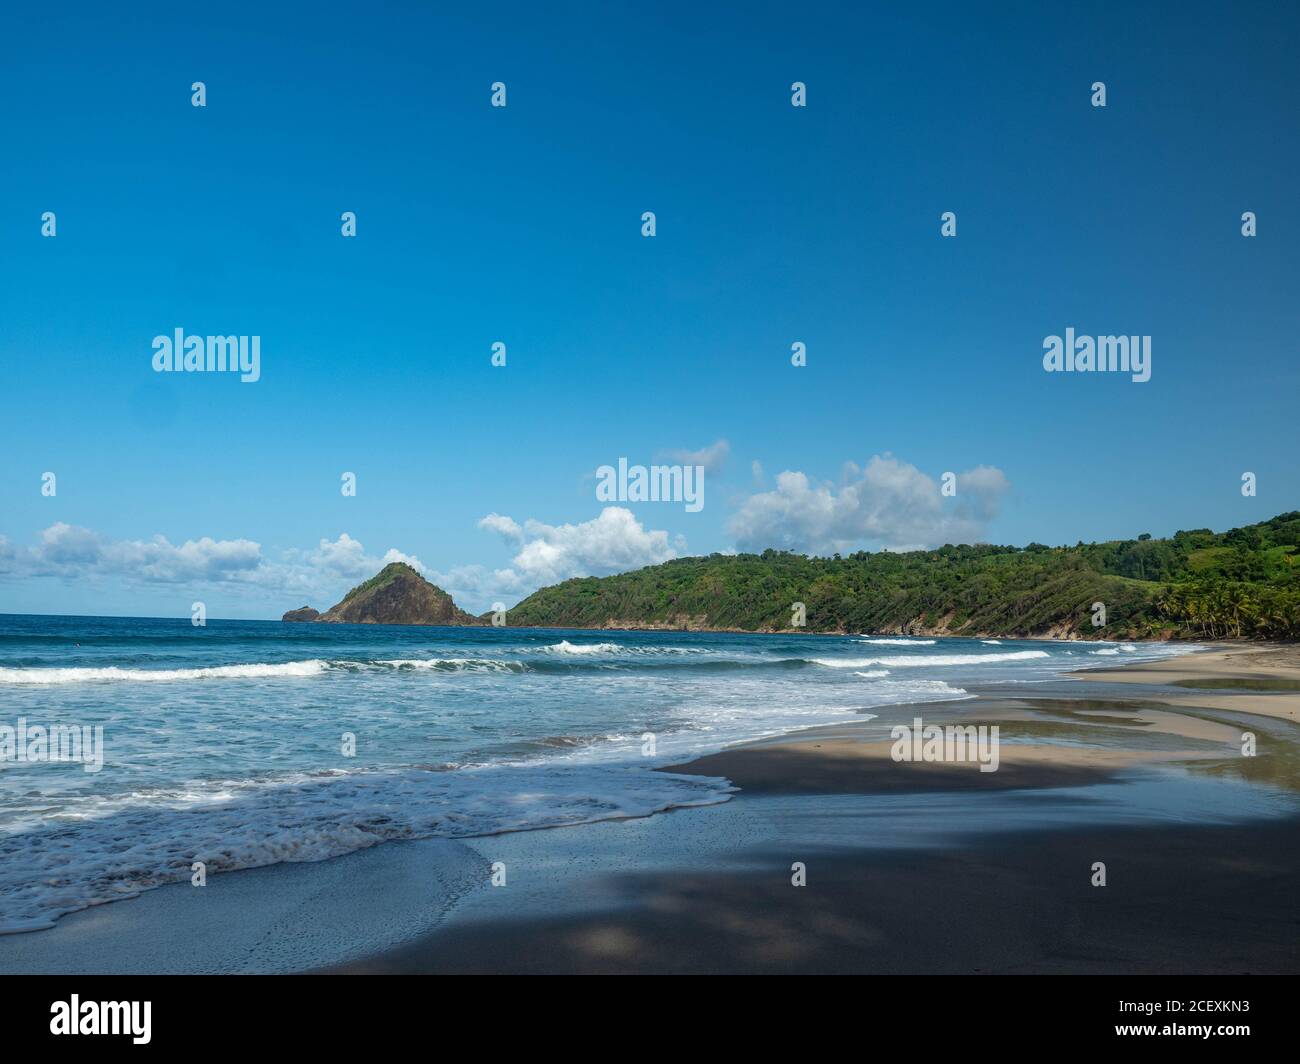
{"points": [[522, 224]]}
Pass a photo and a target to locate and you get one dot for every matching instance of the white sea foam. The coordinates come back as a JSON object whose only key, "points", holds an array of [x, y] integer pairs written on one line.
{"points": [[938, 660], [934, 690], [120, 847], [875, 674], [894, 692], [311, 667], [992, 642], [252, 671], [899, 642], [565, 647], [445, 664], [1107, 651]]}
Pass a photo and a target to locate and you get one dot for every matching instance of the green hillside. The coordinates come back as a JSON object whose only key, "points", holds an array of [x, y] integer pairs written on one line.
{"points": [[1244, 583]]}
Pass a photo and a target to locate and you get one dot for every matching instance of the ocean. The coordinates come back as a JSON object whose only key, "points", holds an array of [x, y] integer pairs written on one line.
{"points": [[248, 743]]}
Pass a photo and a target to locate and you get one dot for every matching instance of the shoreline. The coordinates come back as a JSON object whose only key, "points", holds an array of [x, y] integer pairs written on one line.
{"points": [[1146, 777], [847, 758], [1242, 678]]}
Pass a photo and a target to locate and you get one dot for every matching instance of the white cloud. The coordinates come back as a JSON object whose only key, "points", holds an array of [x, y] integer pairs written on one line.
{"points": [[320, 575], [890, 503], [63, 544], [712, 457], [344, 556], [495, 522], [613, 542], [68, 550], [394, 555]]}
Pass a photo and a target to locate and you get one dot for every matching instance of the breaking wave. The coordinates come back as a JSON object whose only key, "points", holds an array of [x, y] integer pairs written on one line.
{"points": [[908, 661], [256, 671], [565, 647]]}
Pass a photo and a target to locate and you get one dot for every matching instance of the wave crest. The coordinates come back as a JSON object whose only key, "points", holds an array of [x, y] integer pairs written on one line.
{"points": [[311, 667], [565, 647], [909, 661], [254, 671]]}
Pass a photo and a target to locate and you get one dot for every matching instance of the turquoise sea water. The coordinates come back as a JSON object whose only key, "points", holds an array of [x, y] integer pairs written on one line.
{"points": [[246, 743]]}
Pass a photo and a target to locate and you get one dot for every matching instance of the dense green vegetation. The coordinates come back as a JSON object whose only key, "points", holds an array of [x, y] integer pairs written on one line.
{"points": [[389, 574], [1199, 584]]}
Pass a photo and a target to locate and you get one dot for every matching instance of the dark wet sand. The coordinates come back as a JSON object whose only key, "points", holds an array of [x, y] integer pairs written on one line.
{"points": [[1178, 900], [835, 761]]}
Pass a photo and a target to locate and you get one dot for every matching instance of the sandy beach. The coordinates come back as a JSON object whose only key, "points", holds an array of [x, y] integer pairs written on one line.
{"points": [[1201, 859], [907, 867], [1248, 679]]}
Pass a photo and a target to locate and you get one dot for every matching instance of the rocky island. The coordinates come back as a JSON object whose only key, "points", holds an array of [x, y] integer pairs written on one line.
{"points": [[397, 594]]}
